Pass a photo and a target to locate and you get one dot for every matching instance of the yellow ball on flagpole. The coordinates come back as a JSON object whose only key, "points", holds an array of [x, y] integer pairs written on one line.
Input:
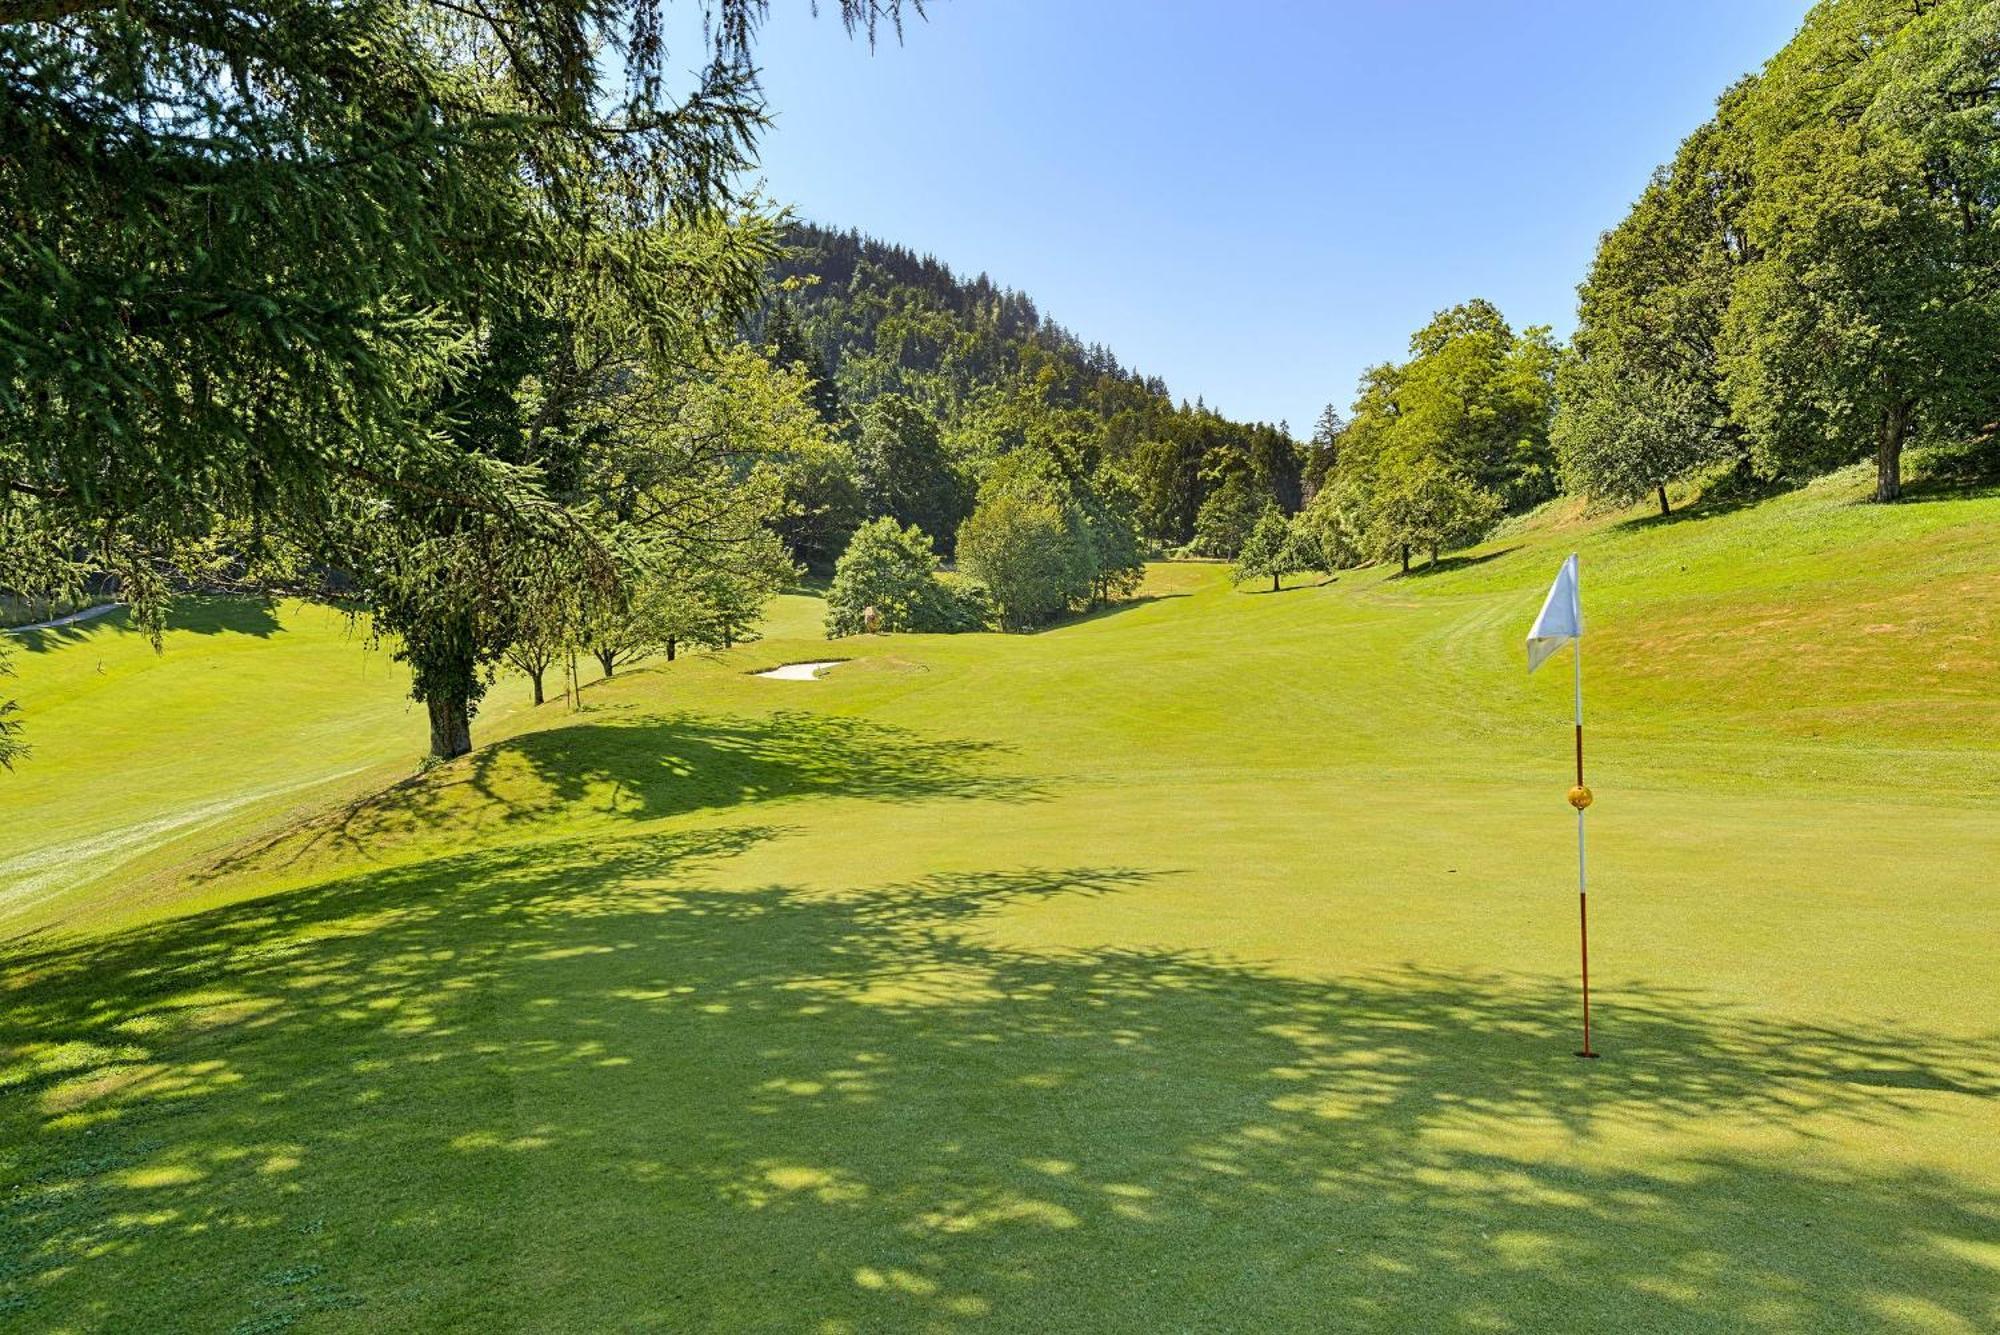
{"points": [[1579, 797]]}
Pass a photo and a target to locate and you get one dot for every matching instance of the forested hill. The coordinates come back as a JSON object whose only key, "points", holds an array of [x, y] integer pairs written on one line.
{"points": [[872, 320], [887, 319]]}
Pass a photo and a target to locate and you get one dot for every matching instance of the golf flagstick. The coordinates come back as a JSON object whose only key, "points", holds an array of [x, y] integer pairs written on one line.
{"points": [[1580, 798], [1560, 623]]}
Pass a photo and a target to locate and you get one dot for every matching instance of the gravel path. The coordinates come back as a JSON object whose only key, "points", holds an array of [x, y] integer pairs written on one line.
{"points": [[87, 614]]}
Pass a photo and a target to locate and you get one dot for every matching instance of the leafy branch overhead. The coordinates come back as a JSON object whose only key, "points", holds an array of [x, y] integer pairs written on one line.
{"points": [[337, 287]]}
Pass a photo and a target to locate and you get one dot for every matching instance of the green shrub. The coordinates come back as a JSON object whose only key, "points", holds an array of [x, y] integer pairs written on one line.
{"points": [[887, 580], [1031, 556]]}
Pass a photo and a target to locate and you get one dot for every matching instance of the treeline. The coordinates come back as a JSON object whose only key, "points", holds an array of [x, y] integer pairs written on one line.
{"points": [[1813, 280], [933, 380], [1815, 277], [1438, 446], [477, 338]]}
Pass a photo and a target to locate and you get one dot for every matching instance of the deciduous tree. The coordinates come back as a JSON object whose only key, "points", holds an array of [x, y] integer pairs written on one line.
{"points": [[1640, 394], [1028, 555], [887, 580], [1431, 505], [1273, 549], [1229, 512], [904, 470], [1869, 314]]}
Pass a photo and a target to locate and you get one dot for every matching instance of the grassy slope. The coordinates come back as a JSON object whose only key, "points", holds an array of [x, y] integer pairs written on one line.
{"points": [[145, 760], [1207, 963]]}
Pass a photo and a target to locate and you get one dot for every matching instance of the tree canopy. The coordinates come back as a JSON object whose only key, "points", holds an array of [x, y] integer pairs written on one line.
{"points": [[1815, 277], [175, 347], [887, 580], [1641, 394], [329, 289], [1047, 537], [1276, 547], [1437, 446]]}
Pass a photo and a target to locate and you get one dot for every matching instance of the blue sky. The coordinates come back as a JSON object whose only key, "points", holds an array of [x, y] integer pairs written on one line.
{"points": [[1253, 200]]}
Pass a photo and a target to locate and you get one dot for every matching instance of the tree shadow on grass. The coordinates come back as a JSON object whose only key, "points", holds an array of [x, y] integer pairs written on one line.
{"points": [[1949, 487], [1111, 609], [1444, 565], [647, 768], [57, 637], [191, 615], [1300, 587], [583, 1086], [1723, 494], [225, 615]]}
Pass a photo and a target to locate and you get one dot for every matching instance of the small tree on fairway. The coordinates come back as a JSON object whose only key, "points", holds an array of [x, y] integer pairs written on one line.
{"points": [[1432, 506], [729, 598], [692, 469], [890, 571], [691, 600], [1328, 530], [533, 658], [1111, 520], [681, 618], [1273, 548], [540, 636]]}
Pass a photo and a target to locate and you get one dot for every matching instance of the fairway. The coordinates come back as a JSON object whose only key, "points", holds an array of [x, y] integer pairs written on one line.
{"points": [[152, 760], [680, 665], [1206, 963]]}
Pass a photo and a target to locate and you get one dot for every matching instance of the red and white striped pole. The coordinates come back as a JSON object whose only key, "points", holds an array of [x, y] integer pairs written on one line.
{"points": [[1579, 797]]}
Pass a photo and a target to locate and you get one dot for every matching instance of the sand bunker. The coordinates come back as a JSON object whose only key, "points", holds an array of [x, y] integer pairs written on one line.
{"points": [[800, 671]]}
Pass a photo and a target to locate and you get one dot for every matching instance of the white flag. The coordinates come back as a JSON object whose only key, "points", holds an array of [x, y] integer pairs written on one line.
{"points": [[1562, 617]]}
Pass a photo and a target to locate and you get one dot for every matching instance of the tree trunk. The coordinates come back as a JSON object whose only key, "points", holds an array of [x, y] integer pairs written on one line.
{"points": [[1434, 553], [672, 644], [536, 678], [1663, 499], [451, 728], [1406, 558], [1889, 453], [607, 659]]}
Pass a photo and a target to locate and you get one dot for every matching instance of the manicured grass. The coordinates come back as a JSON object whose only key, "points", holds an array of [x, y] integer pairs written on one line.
{"points": [[1207, 964], [147, 760]]}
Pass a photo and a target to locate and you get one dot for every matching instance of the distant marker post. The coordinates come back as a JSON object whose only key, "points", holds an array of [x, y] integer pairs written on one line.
{"points": [[1560, 623]]}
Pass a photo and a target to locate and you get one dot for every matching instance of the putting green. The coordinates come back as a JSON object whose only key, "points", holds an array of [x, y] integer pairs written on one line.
{"points": [[1207, 963]]}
